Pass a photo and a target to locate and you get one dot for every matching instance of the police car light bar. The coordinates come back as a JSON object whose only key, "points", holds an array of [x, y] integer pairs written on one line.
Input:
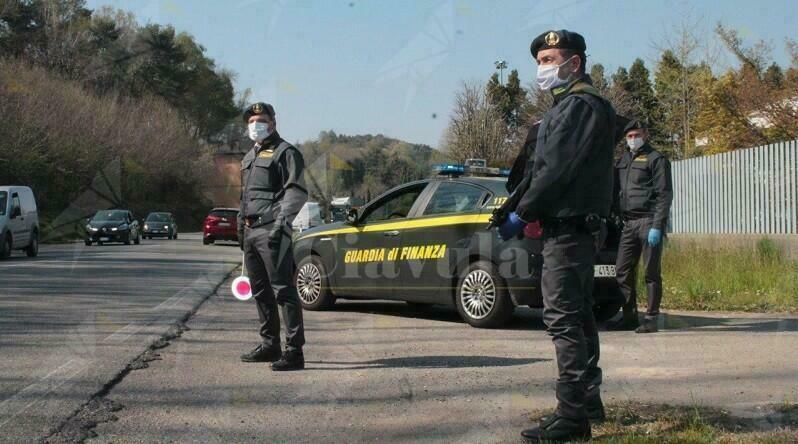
{"points": [[453, 169]]}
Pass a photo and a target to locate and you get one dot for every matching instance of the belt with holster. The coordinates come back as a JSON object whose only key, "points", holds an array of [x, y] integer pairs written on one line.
{"points": [[592, 223], [256, 221]]}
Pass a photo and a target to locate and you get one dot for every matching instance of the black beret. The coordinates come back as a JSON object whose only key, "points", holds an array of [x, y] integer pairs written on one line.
{"points": [[561, 39], [257, 109], [632, 125]]}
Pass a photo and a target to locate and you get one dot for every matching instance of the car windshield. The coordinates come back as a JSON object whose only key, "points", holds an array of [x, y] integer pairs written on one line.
{"points": [[158, 217], [109, 216], [3, 202]]}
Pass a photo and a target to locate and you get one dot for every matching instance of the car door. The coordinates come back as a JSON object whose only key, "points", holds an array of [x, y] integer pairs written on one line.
{"points": [[20, 233], [364, 266], [441, 231]]}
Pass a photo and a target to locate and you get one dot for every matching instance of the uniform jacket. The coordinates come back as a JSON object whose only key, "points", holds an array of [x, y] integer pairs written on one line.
{"points": [[572, 168], [272, 182], [646, 187]]}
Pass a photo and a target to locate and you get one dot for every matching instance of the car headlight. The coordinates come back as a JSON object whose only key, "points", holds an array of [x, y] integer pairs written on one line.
{"points": [[114, 229], [146, 227]]}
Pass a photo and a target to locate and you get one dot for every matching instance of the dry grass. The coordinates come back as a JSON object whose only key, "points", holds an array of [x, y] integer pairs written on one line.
{"points": [[636, 423]]}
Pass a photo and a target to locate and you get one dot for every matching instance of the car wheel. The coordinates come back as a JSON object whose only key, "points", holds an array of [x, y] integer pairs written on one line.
{"points": [[206, 242], [87, 242], [33, 249], [482, 298], [311, 283], [607, 299], [5, 248]]}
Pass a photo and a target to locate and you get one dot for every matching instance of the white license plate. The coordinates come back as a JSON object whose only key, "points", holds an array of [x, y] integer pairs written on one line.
{"points": [[604, 271], [103, 239], [224, 224]]}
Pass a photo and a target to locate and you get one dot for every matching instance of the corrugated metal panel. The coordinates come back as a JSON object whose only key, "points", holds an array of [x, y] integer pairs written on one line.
{"points": [[753, 190]]}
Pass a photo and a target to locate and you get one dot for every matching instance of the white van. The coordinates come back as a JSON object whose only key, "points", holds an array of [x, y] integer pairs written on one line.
{"points": [[19, 221], [309, 216]]}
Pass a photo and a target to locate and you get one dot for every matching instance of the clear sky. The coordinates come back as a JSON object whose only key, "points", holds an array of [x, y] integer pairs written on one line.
{"points": [[393, 66]]}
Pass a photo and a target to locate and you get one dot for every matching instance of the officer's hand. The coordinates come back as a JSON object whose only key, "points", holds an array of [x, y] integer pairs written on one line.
{"points": [[654, 237], [511, 227]]}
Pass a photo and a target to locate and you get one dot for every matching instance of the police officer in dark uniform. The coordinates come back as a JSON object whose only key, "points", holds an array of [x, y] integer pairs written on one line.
{"points": [[570, 193], [273, 192], [646, 191]]}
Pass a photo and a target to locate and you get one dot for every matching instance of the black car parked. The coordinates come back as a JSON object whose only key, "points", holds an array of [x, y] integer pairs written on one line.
{"points": [[113, 226], [426, 242]]}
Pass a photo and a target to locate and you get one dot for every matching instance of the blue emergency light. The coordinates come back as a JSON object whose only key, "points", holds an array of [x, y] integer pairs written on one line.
{"points": [[456, 169]]}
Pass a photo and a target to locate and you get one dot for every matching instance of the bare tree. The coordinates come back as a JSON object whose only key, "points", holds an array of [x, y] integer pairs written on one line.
{"points": [[476, 129]]}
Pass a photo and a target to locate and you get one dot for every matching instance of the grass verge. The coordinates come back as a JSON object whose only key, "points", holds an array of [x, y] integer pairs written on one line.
{"points": [[695, 277], [637, 423]]}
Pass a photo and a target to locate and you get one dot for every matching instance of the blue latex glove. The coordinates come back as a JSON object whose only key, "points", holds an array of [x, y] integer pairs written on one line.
{"points": [[511, 227], [654, 237]]}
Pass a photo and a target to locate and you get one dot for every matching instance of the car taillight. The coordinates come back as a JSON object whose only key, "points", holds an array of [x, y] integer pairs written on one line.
{"points": [[533, 230]]}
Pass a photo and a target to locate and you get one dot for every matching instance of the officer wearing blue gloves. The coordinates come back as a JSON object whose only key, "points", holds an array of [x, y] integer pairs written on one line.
{"points": [[646, 192]]}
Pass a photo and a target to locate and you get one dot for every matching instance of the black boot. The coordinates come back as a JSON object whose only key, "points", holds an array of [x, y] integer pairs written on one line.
{"points": [[649, 326], [559, 429], [261, 353], [290, 360], [595, 409], [628, 322]]}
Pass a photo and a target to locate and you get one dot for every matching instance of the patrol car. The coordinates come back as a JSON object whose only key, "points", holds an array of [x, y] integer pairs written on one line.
{"points": [[427, 242]]}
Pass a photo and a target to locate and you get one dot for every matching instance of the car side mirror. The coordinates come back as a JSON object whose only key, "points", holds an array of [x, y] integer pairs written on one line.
{"points": [[351, 216]]}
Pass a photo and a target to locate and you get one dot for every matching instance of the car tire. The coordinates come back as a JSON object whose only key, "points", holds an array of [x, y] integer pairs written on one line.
{"points": [[32, 249], [482, 298], [5, 248], [607, 299], [312, 284], [206, 242]]}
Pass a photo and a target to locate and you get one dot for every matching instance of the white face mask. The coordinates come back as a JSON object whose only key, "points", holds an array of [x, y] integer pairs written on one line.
{"points": [[548, 76], [634, 143], [258, 131]]}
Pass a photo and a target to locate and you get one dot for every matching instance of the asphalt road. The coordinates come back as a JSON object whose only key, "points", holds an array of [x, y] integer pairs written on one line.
{"points": [[72, 319], [389, 372]]}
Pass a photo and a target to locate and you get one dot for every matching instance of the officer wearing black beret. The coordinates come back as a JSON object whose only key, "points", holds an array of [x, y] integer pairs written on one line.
{"points": [[272, 193], [646, 192], [570, 193]]}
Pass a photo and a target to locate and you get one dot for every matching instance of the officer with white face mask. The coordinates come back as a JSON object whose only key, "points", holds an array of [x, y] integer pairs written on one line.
{"points": [[272, 193], [569, 190], [646, 191]]}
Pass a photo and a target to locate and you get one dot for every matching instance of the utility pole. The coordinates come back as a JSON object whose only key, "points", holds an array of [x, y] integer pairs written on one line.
{"points": [[501, 65]]}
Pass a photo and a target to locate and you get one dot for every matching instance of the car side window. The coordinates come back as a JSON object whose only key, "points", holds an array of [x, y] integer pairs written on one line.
{"points": [[396, 206], [454, 197], [15, 202]]}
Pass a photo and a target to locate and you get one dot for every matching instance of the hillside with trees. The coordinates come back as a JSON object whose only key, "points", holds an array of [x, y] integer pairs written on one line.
{"points": [[99, 111], [364, 165]]}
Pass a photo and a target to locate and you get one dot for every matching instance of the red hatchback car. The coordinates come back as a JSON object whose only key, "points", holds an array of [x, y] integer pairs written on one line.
{"points": [[219, 225]]}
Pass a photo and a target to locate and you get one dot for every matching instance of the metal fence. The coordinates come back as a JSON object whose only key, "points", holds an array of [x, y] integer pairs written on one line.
{"points": [[753, 190]]}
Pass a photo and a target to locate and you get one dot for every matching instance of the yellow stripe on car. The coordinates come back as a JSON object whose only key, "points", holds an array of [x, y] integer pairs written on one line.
{"points": [[406, 224]]}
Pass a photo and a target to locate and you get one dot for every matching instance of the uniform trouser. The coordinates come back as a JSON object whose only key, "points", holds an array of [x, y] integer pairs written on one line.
{"points": [[567, 285], [271, 275], [634, 242]]}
